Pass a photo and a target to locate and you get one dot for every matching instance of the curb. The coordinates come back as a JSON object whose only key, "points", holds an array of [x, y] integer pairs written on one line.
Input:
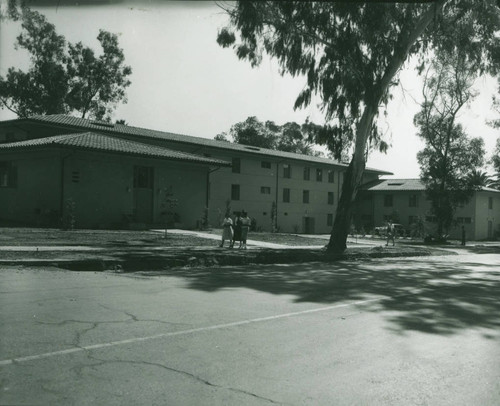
{"points": [[148, 261]]}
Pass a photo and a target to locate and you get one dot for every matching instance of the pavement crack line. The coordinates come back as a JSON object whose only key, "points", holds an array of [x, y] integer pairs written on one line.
{"points": [[179, 371], [183, 332], [135, 318]]}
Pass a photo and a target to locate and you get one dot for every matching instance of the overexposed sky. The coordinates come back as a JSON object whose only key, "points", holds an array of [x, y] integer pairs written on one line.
{"points": [[184, 82]]}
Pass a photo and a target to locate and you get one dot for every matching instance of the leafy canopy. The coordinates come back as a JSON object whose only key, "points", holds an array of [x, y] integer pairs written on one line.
{"points": [[289, 137], [350, 52], [64, 77], [450, 160]]}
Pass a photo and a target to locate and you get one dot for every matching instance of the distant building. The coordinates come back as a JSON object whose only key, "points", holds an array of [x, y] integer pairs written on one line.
{"points": [[404, 201], [110, 179]]}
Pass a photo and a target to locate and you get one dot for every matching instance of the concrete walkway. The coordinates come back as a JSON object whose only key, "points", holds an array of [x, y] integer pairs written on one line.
{"points": [[250, 243]]}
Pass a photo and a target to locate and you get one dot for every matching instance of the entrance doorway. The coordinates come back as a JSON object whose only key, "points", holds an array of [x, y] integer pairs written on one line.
{"points": [[143, 194], [308, 225]]}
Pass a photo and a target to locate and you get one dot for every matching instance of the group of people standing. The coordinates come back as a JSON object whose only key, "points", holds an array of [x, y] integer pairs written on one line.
{"points": [[237, 230]]}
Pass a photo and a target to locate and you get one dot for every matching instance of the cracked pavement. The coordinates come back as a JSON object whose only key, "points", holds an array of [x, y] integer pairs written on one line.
{"points": [[390, 332]]}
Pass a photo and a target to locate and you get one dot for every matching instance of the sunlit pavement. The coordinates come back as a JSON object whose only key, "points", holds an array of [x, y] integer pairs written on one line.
{"points": [[391, 332]]}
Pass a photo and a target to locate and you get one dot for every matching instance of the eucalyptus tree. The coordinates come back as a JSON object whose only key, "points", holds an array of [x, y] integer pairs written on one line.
{"points": [[351, 54], [450, 161], [63, 77]]}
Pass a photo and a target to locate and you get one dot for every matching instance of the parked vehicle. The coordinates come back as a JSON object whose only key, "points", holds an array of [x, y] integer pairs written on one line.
{"points": [[399, 229]]}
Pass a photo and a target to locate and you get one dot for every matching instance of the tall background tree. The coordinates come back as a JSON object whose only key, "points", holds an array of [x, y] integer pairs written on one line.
{"points": [[351, 54], [63, 78], [289, 137], [450, 161]]}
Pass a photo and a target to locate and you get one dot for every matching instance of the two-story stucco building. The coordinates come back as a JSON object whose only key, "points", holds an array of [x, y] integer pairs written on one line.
{"points": [[116, 171], [404, 201]]}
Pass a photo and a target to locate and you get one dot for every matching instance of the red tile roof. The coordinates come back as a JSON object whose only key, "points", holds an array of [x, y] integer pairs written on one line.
{"points": [[71, 122], [100, 142]]}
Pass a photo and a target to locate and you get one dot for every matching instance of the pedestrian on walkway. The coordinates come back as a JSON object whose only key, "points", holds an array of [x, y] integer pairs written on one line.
{"points": [[227, 230], [390, 233], [237, 230], [245, 226], [463, 236]]}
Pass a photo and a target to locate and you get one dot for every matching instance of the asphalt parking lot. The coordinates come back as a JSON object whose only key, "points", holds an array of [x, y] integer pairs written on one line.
{"points": [[389, 331]]}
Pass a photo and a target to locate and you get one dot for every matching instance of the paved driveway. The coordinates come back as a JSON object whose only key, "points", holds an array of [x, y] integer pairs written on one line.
{"points": [[384, 332]]}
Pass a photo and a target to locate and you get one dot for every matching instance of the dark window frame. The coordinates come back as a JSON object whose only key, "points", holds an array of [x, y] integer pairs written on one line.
{"points": [[305, 196], [331, 176], [236, 165], [143, 177], [265, 190], [287, 171], [286, 195], [329, 219], [319, 175], [331, 198], [307, 173], [235, 192]]}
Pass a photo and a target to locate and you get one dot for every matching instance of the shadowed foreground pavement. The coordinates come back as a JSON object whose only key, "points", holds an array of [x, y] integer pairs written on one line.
{"points": [[386, 331]]}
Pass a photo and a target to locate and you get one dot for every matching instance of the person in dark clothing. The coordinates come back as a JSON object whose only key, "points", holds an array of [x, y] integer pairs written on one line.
{"points": [[237, 230], [245, 226], [463, 235]]}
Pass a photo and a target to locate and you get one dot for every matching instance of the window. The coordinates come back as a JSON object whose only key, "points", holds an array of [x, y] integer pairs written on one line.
{"points": [[329, 219], [490, 203], [286, 195], [388, 201], [319, 175], [462, 220], [330, 197], [305, 196], [413, 201], [287, 171], [331, 176], [307, 173], [431, 219], [265, 190], [235, 192], [265, 164], [143, 177], [75, 176], [8, 174], [236, 163]]}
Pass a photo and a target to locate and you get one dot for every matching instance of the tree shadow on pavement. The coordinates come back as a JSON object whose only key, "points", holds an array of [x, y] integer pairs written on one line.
{"points": [[432, 295]]}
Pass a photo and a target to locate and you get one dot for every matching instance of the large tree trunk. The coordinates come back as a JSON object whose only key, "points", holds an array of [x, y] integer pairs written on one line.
{"points": [[352, 181], [354, 174]]}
